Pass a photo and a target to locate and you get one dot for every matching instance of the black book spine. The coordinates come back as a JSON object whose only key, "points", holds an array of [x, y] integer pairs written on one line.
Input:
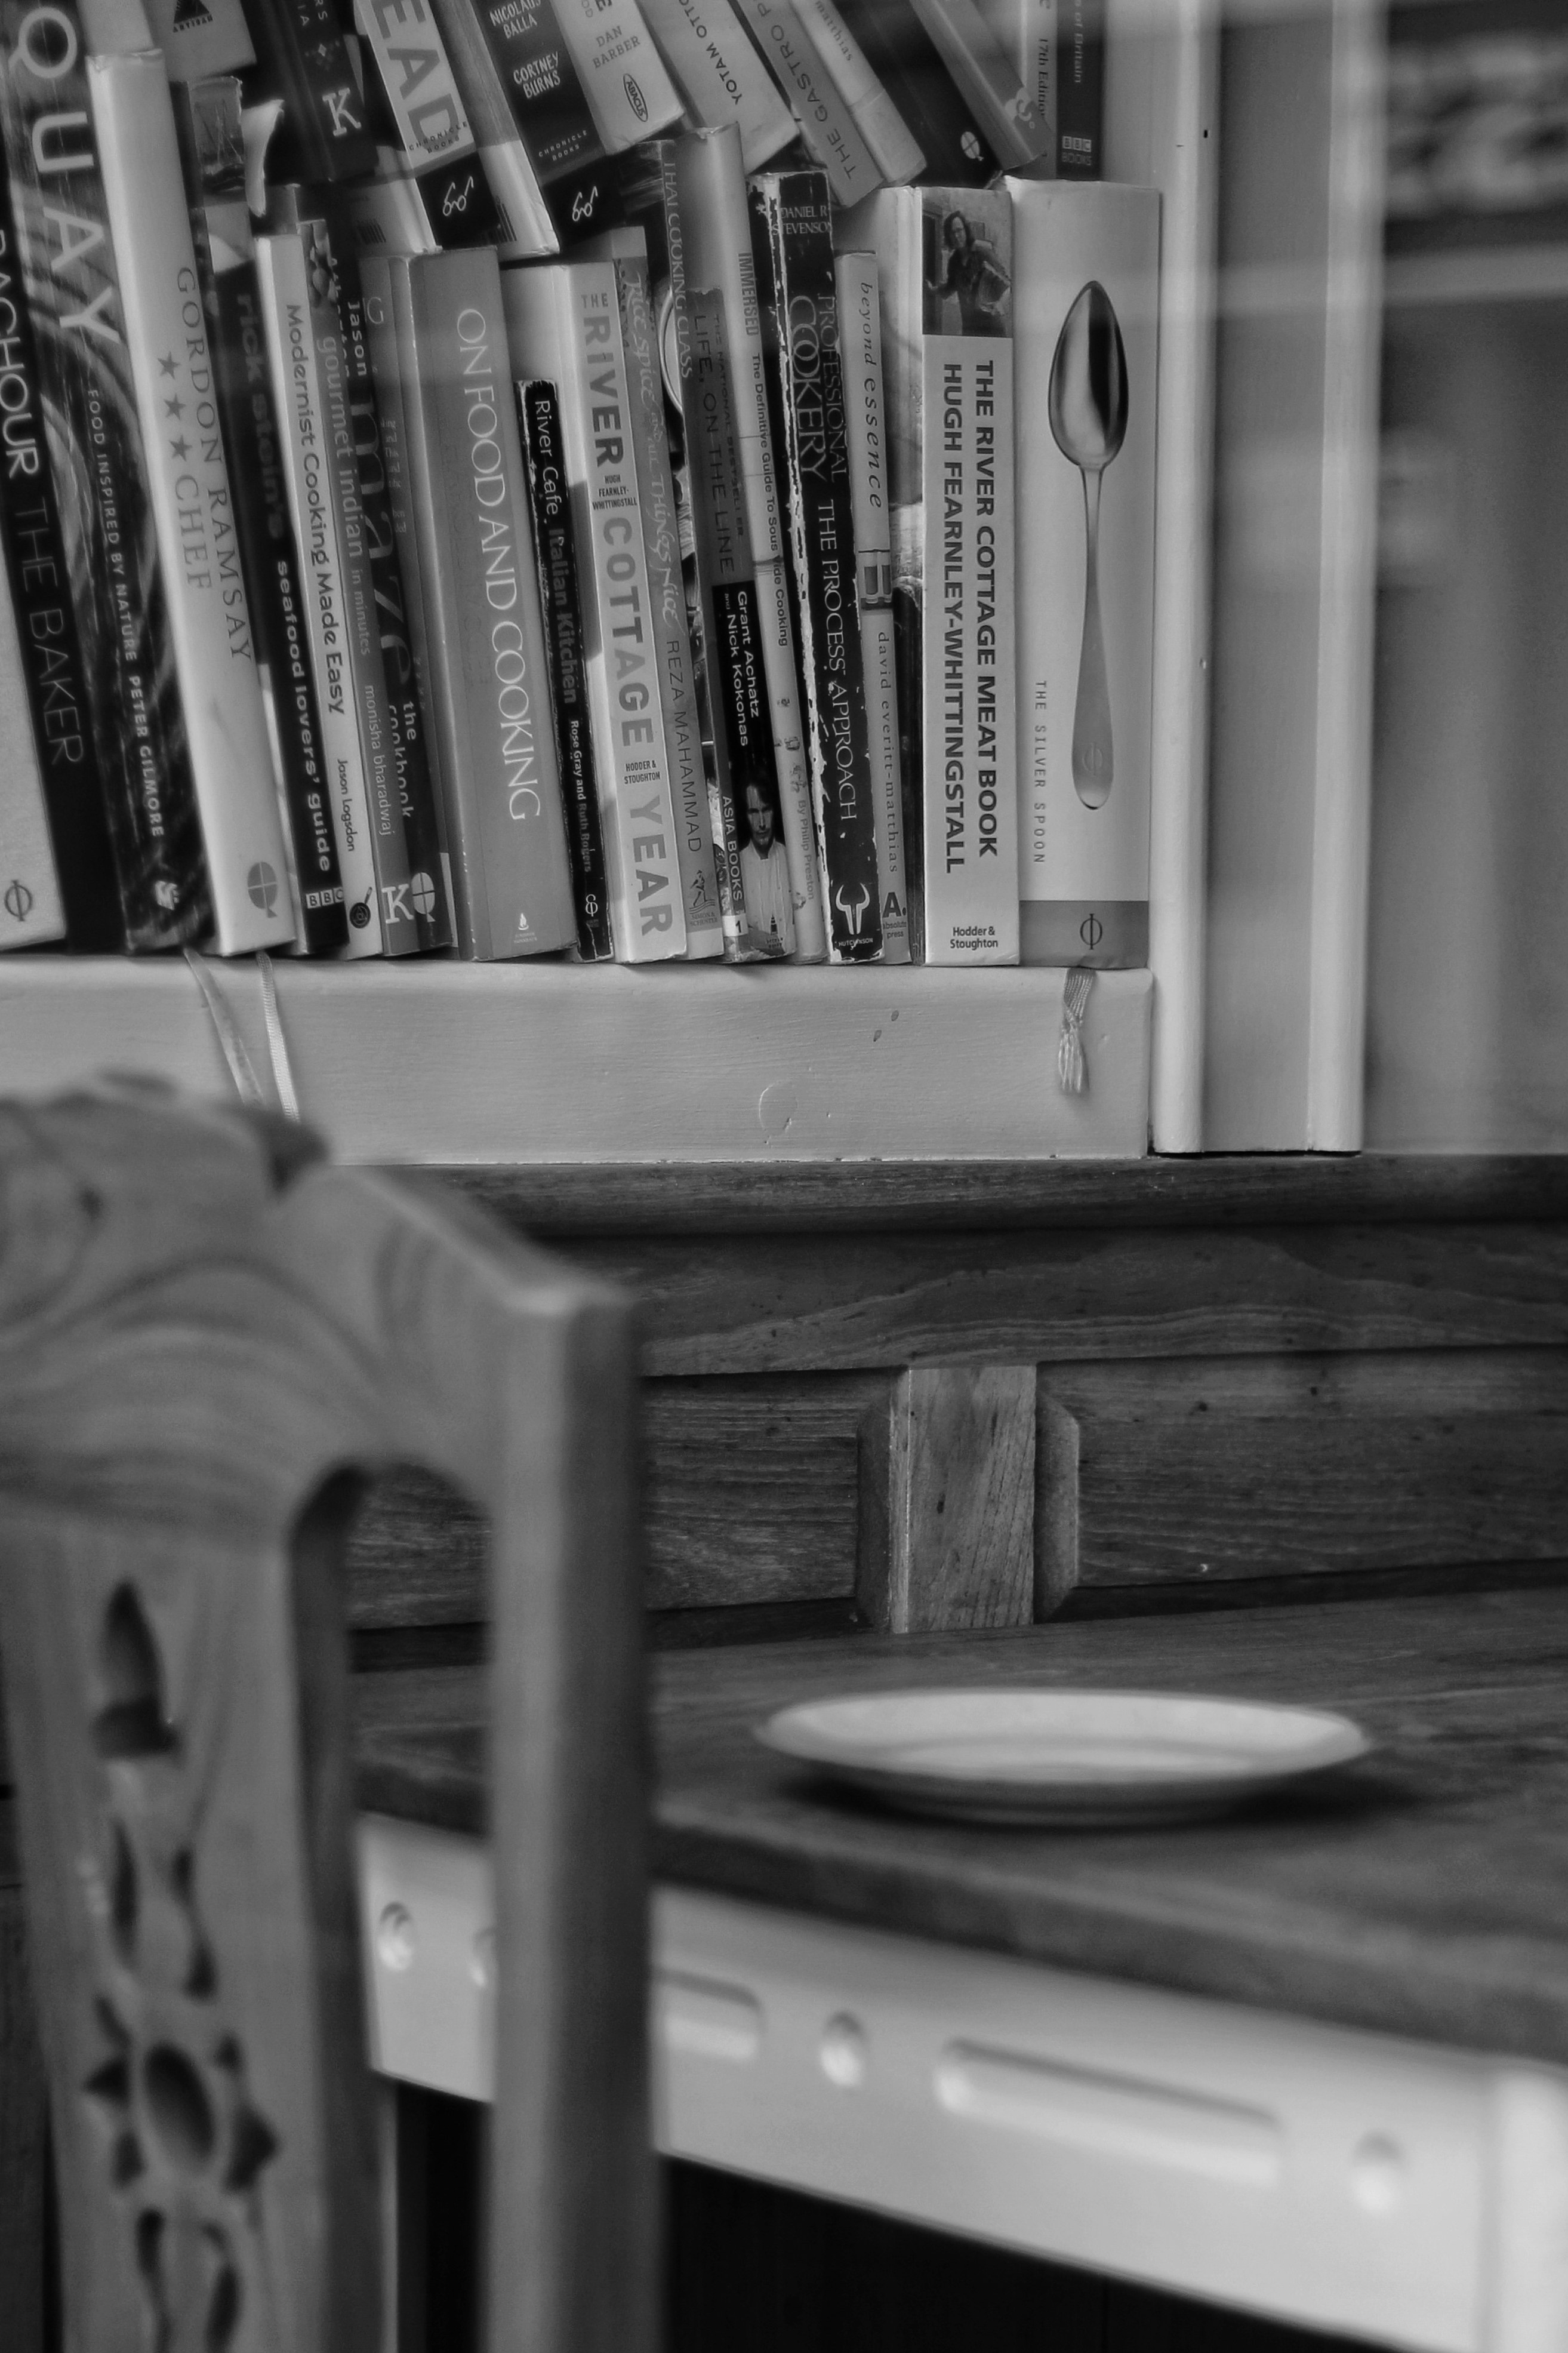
{"points": [[913, 72], [58, 690], [208, 120], [538, 407], [101, 487], [821, 505], [1080, 89], [300, 49], [731, 622], [549, 106], [406, 719]]}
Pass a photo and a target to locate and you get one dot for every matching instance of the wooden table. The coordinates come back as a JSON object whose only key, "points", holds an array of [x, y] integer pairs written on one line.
{"points": [[1312, 2061]]}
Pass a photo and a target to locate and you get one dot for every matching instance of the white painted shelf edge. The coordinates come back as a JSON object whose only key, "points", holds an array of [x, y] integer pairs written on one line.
{"points": [[437, 1063]]}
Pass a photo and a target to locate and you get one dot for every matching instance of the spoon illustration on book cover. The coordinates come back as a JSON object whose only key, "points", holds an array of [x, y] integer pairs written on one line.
{"points": [[1088, 405]]}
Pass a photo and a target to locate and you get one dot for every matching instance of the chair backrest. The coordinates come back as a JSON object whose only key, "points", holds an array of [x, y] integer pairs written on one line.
{"points": [[207, 1336]]}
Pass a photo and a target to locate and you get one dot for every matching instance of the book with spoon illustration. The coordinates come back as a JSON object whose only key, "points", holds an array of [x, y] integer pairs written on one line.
{"points": [[1085, 281]]}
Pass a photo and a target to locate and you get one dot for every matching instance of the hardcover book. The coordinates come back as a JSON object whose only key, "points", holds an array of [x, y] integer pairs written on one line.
{"points": [[945, 284], [833, 137], [92, 442], [894, 148], [899, 50], [31, 909], [436, 139], [192, 507], [861, 342], [285, 281], [564, 323], [303, 59], [796, 212], [712, 221], [720, 75], [1087, 329], [488, 670], [208, 114], [987, 77], [539, 415], [626, 251], [59, 698], [526, 225]]}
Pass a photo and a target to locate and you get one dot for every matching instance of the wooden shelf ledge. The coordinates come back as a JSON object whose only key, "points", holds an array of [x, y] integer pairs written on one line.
{"points": [[521, 1064]]}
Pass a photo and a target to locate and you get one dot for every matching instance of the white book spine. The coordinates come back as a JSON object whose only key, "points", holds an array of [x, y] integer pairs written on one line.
{"points": [[894, 148], [968, 719], [504, 160], [1087, 549], [30, 907], [1025, 32], [209, 621], [861, 342], [387, 217], [416, 74], [565, 323], [296, 391], [833, 137], [987, 77], [631, 95], [719, 74], [710, 182]]}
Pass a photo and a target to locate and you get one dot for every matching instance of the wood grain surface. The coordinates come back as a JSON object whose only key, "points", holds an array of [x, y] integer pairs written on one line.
{"points": [[204, 1335], [990, 1195], [1250, 1468], [1424, 1892], [962, 1498], [846, 1303]]}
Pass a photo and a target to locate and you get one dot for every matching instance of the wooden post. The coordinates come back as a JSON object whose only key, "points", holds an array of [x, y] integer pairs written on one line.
{"points": [[962, 1497]]}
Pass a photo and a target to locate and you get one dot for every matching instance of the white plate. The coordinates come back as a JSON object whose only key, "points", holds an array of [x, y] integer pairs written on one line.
{"points": [[1060, 1757]]}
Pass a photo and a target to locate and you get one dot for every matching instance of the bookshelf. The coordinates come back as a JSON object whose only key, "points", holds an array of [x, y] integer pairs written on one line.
{"points": [[528, 1064]]}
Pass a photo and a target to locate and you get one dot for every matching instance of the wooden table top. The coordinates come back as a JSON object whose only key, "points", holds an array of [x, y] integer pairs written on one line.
{"points": [[1424, 1892]]}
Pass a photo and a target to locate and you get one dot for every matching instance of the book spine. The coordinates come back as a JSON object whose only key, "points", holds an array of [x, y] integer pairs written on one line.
{"points": [[568, 318], [1080, 89], [39, 593], [302, 52], [489, 668], [1088, 267], [231, 294], [548, 106], [985, 78], [798, 211], [894, 148], [31, 908], [717, 251], [912, 70], [296, 398], [381, 347], [539, 413], [198, 42], [861, 342], [733, 625], [89, 404], [661, 543], [970, 781], [719, 74], [527, 229], [833, 137], [630, 92], [192, 507], [366, 670], [435, 137], [1025, 32], [386, 625]]}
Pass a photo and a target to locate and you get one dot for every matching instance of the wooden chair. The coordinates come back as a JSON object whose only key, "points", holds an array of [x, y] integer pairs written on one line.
{"points": [[208, 1338]]}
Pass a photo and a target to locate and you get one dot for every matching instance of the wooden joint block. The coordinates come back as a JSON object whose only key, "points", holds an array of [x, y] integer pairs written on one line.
{"points": [[962, 1497]]}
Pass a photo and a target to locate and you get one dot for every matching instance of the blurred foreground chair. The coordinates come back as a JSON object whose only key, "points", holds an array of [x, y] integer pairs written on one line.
{"points": [[208, 1338]]}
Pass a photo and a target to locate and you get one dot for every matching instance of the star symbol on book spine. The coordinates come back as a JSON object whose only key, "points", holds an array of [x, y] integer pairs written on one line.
{"points": [[173, 406], [180, 448], [167, 366]]}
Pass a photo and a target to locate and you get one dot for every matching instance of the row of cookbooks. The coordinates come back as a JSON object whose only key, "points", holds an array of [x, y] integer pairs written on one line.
{"points": [[477, 480]]}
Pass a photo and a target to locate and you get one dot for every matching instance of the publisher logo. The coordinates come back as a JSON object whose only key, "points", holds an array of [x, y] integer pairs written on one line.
{"points": [[853, 910], [970, 146], [634, 98], [18, 900], [261, 883], [422, 891], [1091, 931], [359, 913]]}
